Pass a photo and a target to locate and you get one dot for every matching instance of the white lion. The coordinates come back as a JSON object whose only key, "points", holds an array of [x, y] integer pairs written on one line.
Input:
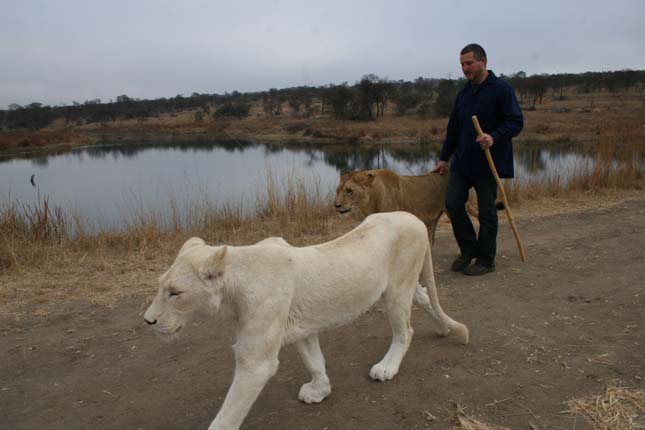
{"points": [[279, 294]]}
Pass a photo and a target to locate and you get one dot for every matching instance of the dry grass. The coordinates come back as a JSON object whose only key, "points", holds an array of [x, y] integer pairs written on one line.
{"points": [[617, 408], [617, 164], [467, 422], [23, 139], [619, 159], [291, 207]]}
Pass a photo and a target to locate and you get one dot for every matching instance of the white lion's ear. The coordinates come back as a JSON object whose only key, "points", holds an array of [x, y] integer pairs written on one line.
{"points": [[190, 243], [212, 267]]}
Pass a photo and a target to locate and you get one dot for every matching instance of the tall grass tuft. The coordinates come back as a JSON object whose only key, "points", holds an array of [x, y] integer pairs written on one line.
{"points": [[26, 228], [617, 164], [294, 200], [289, 206]]}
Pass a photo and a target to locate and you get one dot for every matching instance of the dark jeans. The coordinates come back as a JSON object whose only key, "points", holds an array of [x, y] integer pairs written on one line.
{"points": [[484, 246]]}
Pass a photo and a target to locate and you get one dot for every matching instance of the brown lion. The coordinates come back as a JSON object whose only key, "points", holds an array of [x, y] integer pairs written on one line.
{"points": [[370, 191]]}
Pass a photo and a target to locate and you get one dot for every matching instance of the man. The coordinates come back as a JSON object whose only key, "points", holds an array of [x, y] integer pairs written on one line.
{"points": [[499, 114]]}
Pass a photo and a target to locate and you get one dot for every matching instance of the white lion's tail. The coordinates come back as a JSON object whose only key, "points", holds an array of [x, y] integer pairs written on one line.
{"points": [[426, 297]]}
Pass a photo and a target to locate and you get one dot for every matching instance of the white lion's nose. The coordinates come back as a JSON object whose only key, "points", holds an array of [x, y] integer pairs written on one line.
{"points": [[153, 322]]}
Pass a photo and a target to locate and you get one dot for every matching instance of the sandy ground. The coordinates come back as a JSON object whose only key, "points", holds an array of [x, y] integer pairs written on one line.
{"points": [[555, 328]]}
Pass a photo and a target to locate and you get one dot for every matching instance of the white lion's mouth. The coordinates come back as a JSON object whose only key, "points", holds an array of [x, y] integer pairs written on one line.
{"points": [[168, 331]]}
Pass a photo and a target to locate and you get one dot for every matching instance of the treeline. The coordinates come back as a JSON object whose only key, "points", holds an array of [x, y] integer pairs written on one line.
{"points": [[364, 101]]}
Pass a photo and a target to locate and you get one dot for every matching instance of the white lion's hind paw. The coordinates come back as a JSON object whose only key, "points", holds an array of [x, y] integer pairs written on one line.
{"points": [[381, 372], [310, 393]]}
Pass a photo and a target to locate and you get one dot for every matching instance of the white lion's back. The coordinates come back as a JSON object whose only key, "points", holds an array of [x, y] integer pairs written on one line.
{"points": [[399, 222], [343, 278]]}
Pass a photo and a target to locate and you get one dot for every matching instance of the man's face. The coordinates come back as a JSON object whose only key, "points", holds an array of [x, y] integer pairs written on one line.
{"points": [[473, 69]]}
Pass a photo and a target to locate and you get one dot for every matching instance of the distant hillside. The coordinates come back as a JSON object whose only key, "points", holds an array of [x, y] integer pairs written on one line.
{"points": [[366, 100]]}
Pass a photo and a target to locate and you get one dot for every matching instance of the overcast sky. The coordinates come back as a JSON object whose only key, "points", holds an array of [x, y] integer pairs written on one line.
{"points": [[60, 51]]}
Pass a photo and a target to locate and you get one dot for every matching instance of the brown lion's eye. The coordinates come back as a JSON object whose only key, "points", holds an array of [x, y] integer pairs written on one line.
{"points": [[349, 191]]}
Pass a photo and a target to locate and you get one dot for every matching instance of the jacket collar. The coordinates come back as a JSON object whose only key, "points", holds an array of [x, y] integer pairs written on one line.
{"points": [[489, 79]]}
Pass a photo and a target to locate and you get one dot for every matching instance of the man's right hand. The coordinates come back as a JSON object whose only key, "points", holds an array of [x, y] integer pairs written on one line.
{"points": [[441, 167]]}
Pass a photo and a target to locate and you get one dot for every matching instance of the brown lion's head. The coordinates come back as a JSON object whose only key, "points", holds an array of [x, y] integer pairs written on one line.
{"points": [[353, 194]]}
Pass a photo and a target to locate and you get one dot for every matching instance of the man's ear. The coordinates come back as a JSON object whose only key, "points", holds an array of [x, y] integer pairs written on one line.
{"points": [[189, 244], [213, 266]]}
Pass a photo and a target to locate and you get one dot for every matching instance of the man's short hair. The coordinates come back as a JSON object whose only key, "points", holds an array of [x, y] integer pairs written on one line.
{"points": [[477, 50]]}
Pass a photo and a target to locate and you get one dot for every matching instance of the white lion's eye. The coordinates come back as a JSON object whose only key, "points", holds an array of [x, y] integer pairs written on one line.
{"points": [[173, 294]]}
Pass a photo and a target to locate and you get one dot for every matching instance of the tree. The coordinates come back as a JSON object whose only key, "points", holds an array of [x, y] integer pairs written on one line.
{"points": [[294, 104], [272, 102], [234, 109], [537, 88], [446, 94], [366, 98], [340, 98], [308, 100], [405, 98], [373, 92]]}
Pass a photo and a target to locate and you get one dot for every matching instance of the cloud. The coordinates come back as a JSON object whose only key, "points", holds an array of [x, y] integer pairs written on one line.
{"points": [[57, 52]]}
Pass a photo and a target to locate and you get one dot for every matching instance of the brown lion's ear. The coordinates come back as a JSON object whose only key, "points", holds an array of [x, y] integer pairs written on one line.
{"points": [[346, 174], [213, 266], [364, 179], [370, 178]]}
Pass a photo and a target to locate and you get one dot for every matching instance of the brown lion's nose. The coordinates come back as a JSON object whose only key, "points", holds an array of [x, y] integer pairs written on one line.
{"points": [[153, 322], [337, 206]]}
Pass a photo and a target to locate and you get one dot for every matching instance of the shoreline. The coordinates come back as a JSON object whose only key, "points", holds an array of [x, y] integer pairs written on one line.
{"points": [[577, 119], [126, 137]]}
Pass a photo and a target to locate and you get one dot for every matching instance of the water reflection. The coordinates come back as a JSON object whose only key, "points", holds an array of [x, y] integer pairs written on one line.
{"points": [[101, 182], [530, 156]]}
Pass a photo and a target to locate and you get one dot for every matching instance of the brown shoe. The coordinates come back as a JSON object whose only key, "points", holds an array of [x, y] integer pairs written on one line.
{"points": [[478, 269], [461, 263]]}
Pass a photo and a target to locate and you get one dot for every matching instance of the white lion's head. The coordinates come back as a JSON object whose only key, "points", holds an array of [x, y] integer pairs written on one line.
{"points": [[192, 284]]}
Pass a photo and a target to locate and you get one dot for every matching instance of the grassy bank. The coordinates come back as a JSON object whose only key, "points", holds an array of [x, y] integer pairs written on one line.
{"points": [[20, 141], [292, 207], [617, 164]]}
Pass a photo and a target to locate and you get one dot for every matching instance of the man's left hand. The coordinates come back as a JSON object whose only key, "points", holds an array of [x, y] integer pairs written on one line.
{"points": [[485, 141]]}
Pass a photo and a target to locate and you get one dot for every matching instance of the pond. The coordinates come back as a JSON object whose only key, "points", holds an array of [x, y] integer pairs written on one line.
{"points": [[107, 183]]}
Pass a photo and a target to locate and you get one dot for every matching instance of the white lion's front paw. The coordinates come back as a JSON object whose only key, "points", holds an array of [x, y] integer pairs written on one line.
{"points": [[314, 393], [382, 372]]}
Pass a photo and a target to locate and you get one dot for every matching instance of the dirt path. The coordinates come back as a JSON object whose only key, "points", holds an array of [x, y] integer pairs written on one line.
{"points": [[556, 328]]}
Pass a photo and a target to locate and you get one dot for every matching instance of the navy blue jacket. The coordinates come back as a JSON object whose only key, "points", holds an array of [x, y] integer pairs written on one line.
{"points": [[499, 115]]}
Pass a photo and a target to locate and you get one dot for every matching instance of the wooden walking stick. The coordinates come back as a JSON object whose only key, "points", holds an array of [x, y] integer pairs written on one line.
{"points": [[501, 190]]}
